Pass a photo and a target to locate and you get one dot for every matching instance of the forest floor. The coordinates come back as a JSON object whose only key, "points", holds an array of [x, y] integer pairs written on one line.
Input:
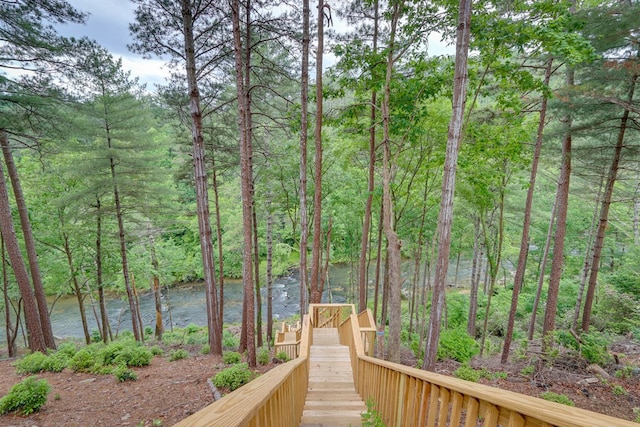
{"points": [[166, 392]]}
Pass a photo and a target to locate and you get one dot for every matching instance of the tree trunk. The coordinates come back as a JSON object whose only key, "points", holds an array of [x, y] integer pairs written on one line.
{"points": [[29, 242], [10, 331], [246, 179], [219, 238], [316, 250], [200, 175], [475, 279], [541, 269], [562, 203], [604, 212], [588, 257], [35, 335], [378, 270], [445, 217], [106, 330], [393, 242], [157, 296], [76, 287], [526, 223], [304, 125], [366, 223], [256, 266], [269, 238]]}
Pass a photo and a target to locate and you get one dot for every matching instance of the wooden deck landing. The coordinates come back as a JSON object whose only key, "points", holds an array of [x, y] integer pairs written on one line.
{"points": [[332, 400]]}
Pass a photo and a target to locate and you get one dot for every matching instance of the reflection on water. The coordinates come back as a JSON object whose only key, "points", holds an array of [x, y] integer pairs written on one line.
{"points": [[186, 304]]}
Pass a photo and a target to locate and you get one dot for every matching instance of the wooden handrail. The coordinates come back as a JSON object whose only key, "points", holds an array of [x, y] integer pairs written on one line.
{"points": [[274, 399], [405, 396]]}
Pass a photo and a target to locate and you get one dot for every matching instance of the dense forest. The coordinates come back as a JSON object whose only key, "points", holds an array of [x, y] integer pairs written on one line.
{"points": [[515, 153]]}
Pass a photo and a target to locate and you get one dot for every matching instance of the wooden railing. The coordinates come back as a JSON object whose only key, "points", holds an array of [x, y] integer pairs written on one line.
{"points": [[406, 397], [403, 396], [288, 340], [274, 399]]}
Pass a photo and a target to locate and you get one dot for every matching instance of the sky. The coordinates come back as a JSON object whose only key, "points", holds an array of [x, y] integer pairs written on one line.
{"points": [[108, 24]]}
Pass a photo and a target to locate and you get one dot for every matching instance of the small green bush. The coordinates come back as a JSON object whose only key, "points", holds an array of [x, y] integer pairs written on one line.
{"points": [[68, 348], [109, 353], [25, 397], [178, 354], [372, 418], [456, 344], [282, 356], [192, 328], [148, 331], [83, 361], [134, 356], [618, 390], [231, 357], [558, 398], [122, 373], [467, 373], [233, 377], [263, 356], [56, 362], [156, 350], [31, 363], [205, 349], [229, 341]]}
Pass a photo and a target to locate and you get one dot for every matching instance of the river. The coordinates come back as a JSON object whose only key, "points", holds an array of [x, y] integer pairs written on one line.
{"points": [[185, 304]]}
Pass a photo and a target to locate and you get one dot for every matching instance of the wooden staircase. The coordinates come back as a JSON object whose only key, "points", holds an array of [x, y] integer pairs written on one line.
{"points": [[332, 400]]}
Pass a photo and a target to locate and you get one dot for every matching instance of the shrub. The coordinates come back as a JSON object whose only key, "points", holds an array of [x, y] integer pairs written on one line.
{"points": [[231, 357], [229, 341], [134, 356], [192, 328], [467, 373], [178, 354], [26, 397], [122, 373], [148, 332], [263, 356], [31, 363], [68, 349], [82, 361], [56, 362], [156, 350], [109, 353], [205, 349], [282, 356], [618, 390], [456, 344], [558, 398], [233, 377], [372, 418]]}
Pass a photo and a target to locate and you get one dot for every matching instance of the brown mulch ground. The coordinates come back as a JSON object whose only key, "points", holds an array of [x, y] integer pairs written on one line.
{"points": [[167, 392]]}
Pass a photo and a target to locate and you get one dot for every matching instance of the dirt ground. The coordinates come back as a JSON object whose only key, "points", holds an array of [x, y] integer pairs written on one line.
{"points": [[167, 392]]}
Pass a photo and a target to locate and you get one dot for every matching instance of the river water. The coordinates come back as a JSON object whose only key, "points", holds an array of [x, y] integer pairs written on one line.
{"points": [[185, 304], [182, 305]]}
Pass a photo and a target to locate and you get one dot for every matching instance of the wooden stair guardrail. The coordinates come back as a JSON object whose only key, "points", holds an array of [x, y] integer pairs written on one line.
{"points": [[403, 396], [274, 399], [406, 397]]}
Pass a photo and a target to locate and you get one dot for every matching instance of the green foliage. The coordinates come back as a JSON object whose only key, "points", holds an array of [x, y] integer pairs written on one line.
{"points": [[68, 348], [282, 356], [467, 373], [134, 356], [617, 312], [233, 377], [229, 340], [371, 418], [558, 398], [178, 354], [32, 363], [205, 349], [156, 350], [618, 390], [263, 356], [231, 357], [528, 370], [83, 361], [122, 373], [25, 397], [456, 344], [625, 372], [593, 346]]}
